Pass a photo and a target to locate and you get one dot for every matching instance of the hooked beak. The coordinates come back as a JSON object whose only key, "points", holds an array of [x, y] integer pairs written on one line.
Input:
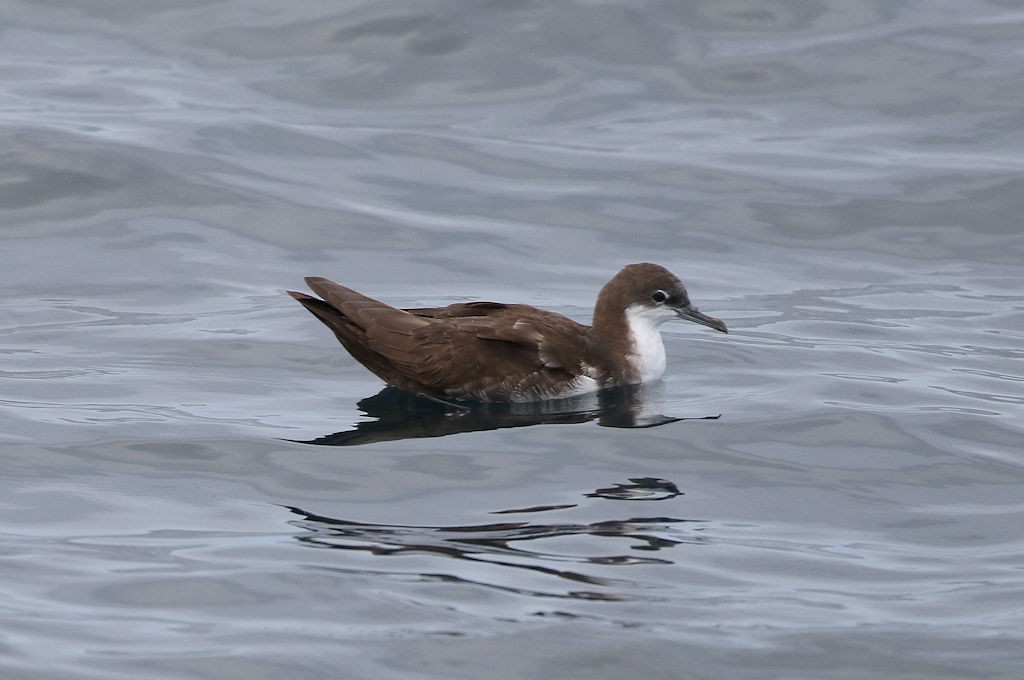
{"points": [[693, 314]]}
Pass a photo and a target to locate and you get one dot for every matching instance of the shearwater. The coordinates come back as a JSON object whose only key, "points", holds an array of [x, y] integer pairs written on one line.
{"points": [[489, 351]]}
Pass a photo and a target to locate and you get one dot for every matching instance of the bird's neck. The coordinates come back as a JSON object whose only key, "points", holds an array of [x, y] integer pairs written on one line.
{"points": [[633, 343]]}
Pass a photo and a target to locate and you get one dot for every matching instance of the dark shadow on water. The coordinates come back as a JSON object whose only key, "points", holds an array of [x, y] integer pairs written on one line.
{"points": [[639, 489], [502, 545], [403, 415]]}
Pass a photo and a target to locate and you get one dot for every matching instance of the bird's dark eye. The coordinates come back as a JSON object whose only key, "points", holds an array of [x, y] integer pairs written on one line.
{"points": [[659, 296]]}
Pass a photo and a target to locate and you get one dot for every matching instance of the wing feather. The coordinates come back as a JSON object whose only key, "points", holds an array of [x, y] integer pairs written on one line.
{"points": [[485, 350]]}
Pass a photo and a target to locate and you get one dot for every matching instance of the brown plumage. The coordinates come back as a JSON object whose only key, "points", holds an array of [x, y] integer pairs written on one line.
{"points": [[488, 351]]}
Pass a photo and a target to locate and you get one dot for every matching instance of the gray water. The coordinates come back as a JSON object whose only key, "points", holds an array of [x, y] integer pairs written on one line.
{"points": [[841, 182]]}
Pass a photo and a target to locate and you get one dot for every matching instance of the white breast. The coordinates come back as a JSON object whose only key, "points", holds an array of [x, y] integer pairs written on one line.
{"points": [[648, 355]]}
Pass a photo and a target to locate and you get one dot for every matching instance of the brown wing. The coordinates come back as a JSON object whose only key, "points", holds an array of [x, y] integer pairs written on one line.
{"points": [[483, 350], [461, 309], [369, 329], [513, 352], [554, 337]]}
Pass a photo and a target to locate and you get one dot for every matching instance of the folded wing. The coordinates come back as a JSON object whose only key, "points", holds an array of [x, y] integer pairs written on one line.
{"points": [[481, 350]]}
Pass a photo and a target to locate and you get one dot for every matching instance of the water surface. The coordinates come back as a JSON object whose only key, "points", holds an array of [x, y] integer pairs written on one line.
{"points": [[840, 183]]}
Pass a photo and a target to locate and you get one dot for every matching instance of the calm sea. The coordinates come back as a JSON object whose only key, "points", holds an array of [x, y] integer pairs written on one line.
{"points": [[841, 182]]}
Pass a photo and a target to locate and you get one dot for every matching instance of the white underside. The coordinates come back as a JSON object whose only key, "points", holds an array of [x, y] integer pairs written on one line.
{"points": [[648, 355], [580, 385]]}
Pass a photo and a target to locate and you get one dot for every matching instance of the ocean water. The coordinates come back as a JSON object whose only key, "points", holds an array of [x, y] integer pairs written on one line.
{"points": [[838, 491]]}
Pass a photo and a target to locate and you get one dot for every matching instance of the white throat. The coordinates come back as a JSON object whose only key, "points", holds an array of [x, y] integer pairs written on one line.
{"points": [[648, 352]]}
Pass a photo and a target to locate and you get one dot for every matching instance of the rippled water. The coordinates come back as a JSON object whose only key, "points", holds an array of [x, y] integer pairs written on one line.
{"points": [[840, 182]]}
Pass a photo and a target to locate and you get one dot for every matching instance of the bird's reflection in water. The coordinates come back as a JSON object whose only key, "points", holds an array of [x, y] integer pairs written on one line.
{"points": [[403, 415], [516, 545], [639, 489]]}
